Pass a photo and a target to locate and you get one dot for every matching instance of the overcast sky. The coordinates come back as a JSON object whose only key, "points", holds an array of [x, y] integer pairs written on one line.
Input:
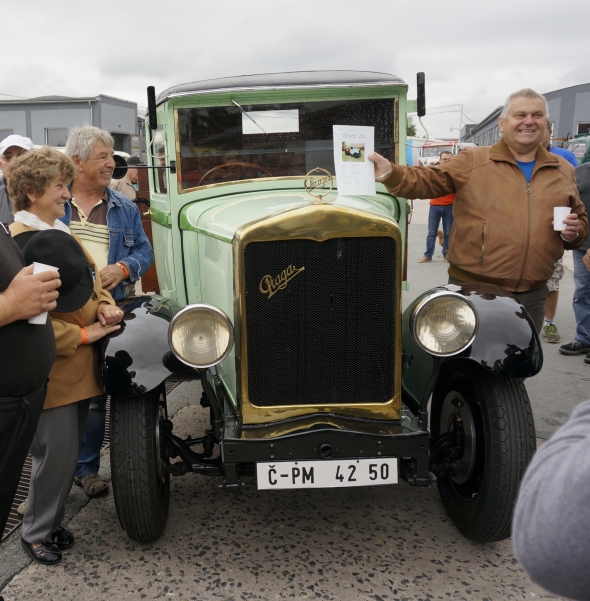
{"points": [[473, 53]]}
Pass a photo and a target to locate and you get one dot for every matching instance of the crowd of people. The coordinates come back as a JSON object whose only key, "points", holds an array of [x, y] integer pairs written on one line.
{"points": [[496, 205], [64, 213]]}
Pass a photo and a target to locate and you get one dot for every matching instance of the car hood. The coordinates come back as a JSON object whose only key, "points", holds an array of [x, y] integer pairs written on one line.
{"points": [[222, 216]]}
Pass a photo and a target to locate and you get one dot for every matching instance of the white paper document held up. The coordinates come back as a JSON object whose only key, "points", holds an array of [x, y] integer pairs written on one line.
{"points": [[354, 172]]}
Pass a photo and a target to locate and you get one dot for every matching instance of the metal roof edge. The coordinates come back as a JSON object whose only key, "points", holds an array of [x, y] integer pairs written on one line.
{"points": [[178, 91], [63, 99]]}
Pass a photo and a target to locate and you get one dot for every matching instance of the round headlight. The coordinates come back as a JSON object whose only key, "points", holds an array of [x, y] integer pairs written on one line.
{"points": [[200, 335], [444, 324]]}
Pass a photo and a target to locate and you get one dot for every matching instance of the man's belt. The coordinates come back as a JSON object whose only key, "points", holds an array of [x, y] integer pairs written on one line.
{"points": [[26, 399]]}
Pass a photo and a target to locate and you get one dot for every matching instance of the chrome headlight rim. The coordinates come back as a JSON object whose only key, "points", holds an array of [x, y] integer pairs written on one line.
{"points": [[191, 308], [426, 300]]}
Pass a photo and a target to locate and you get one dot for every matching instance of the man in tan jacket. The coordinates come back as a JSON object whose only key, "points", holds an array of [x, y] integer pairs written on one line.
{"points": [[504, 197]]}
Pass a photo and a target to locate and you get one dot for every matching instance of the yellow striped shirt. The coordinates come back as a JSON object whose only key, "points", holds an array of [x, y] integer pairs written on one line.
{"points": [[95, 236]]}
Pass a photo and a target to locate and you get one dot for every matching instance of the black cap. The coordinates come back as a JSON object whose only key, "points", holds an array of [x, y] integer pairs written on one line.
{"points": [[60, 250]]}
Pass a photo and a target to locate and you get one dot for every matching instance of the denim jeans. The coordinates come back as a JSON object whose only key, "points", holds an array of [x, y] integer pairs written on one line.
{"points": [[89, 457], [436, 213], [581, 298]]}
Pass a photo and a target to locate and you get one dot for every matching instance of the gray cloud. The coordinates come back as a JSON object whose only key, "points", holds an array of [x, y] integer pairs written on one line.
{"points": [[473, 54]]}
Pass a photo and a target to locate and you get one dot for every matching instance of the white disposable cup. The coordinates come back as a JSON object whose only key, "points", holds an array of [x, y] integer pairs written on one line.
{"points": [[559, 214], [41, 319]]}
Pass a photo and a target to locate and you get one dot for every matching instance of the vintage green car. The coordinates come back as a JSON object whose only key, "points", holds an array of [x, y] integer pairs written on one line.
{"points": [[288, 308]]}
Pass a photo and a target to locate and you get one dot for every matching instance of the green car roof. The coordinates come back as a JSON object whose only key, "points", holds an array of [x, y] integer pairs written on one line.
{"points": [[293, 80]]}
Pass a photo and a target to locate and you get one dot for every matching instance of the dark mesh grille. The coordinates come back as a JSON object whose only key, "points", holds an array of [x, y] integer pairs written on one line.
{"points": [[328, 336]]}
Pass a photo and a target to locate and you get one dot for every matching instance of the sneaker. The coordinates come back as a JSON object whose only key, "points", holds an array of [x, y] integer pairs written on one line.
{"points": [[551, 334], [587, 359], [441, 237], [574, 348], [428, 259], [94, 485], [22, 507]]}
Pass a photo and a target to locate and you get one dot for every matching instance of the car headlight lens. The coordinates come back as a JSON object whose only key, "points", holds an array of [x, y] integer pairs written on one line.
{"points": [[444, 324], [201, 335]]}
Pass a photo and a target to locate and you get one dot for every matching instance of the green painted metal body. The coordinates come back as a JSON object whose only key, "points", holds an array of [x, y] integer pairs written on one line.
{"points": [[193, 230], [169, 210]]}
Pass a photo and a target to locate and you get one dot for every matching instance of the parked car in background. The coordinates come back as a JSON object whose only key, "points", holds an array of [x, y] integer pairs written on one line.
{"points": [[429, 154], [580, 146], [285, 300]]}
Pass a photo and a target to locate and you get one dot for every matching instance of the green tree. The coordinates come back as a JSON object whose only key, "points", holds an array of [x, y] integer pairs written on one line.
{"points": [[411, 128]]}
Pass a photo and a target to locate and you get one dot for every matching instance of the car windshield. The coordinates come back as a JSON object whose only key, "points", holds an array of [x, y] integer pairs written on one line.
{"points": [[229, 143], [434, 151]]}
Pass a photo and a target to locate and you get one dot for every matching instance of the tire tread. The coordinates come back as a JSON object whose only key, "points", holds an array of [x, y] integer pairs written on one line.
{"points": [[141, 508], [510, 430]]}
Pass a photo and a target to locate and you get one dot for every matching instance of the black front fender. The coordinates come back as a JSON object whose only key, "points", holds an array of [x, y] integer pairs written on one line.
{"points": [[506, 342], [137, 358]]}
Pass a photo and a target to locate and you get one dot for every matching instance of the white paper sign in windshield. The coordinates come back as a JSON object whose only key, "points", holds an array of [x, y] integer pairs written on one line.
{"points": [[270, 122], [355, 174]]}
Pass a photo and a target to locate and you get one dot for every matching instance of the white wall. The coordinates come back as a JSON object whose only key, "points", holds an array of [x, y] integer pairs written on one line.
{"points": [[554, 112], [582, 110], [14, 120], [42, 118], [118, 119]]}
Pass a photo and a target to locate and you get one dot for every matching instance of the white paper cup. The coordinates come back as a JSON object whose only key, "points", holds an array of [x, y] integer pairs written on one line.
{"points": [[41, 319], [559, 214]]}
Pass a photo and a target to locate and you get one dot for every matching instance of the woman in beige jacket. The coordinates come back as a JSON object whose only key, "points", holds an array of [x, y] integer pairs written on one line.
{"points": [[38, 190]]}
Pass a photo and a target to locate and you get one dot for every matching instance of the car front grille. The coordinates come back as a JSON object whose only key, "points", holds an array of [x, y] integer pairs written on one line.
{"points": [[324, 334]]}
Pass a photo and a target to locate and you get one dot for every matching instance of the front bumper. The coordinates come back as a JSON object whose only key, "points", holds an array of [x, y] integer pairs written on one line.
{"points": [[343, 438]]}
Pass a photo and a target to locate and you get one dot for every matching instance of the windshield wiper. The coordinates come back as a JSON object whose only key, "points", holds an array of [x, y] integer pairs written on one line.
{"points": [[245, 113]]}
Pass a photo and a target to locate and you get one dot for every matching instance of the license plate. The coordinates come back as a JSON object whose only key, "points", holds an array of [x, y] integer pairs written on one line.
{"points": [[326, 474]]}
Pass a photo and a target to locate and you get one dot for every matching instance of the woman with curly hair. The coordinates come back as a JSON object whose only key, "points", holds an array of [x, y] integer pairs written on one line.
{"points": [[38, 189]]}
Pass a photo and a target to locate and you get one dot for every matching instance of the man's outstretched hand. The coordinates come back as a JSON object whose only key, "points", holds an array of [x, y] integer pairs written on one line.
{"points": [[380, 163]]}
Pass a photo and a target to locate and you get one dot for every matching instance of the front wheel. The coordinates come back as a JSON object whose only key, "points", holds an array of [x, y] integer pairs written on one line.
{"points": [[494, 441], [139, 471]]}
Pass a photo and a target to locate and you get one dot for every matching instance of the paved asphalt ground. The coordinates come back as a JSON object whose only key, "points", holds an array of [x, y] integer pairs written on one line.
{"points": [[381, 544]]}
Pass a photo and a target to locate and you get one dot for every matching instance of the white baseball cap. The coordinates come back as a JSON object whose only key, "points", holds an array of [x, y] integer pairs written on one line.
{"points": [[16, 140]]}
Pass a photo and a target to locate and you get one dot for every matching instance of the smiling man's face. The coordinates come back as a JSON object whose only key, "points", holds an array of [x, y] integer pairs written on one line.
{"points": [[99, 168], [524, 125]]}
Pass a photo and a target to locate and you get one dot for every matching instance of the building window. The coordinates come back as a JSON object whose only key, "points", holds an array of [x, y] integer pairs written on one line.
{"points": [[4, 133], [122, 142], [56, 136], [584, 128]]}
